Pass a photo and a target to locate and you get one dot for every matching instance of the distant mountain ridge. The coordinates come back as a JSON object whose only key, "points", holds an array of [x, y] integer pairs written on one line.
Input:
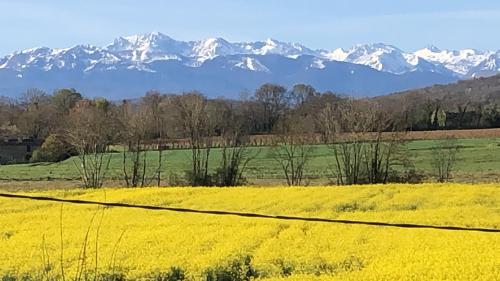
{"points": [[131, 65]]}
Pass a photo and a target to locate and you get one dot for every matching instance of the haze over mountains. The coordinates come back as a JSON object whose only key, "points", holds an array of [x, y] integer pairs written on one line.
{"points": [[132, 65]]}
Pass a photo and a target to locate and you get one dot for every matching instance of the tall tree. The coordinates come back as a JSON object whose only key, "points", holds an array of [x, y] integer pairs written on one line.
{"points": [[194, 115], [92, 127], [65, 99], [292, 148], [235, 154], [274, 101], [37, 118]]}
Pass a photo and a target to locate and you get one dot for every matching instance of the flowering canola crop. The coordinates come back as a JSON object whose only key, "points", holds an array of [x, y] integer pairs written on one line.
{"points": [[44, 240]]}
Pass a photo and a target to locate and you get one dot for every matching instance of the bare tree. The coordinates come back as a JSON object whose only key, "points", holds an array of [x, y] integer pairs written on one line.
{"points": [[235, 155], [351, 122], [38, 117], [194, 114], [8, 113], [328, 119], [364, 142], [301, 94], [381, 153], [292, 149], [134, 148], [143, 128], [154, 104], [91, 129], [274, 100], [444, 158]]}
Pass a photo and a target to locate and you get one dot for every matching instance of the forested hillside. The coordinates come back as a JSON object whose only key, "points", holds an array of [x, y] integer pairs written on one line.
{"points": [[466, 104]]}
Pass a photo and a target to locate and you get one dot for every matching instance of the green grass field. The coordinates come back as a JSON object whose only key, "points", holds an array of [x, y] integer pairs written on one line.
{"points": [[479, 162]]}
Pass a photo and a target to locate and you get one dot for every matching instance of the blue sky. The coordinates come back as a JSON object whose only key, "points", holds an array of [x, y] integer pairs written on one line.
{"points": [[408, 24]]}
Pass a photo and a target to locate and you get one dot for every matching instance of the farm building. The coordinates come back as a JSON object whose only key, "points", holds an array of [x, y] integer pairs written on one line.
{"points": [[17, 150]]}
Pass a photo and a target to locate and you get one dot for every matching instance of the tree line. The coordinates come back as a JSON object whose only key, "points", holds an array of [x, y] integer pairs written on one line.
{"points": [[369, 151], [468, 104]]}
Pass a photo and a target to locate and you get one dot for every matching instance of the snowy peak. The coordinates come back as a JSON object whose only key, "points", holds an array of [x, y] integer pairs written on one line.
{"points": [[138, 51], [272, 46], [488, 67], [157, 46], [79, 57], [382, 57], [153, 40], [461, 61], [21, 59], [337, 54], [379, 56], [212, 47], [388, 58], [148, 47]]}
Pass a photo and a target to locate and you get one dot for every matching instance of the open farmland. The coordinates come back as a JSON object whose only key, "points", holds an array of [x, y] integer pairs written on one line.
{"points": [[142, 244], [478, 161]]}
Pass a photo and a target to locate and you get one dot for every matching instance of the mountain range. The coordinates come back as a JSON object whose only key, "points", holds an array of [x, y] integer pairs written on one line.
{"points": [[132, 65]]}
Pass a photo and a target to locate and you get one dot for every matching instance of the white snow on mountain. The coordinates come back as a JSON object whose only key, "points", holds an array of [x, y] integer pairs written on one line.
{"points": [[251, 64], [378, 56], [212, 47], [148, 47], [385, 58], [275, 47], [318, 63], [489, 66], [337, 54], [137, 51], [461, 61], [78, 57]]}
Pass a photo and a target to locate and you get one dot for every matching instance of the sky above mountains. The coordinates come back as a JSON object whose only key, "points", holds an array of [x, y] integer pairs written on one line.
{"points": [[327, 24]]}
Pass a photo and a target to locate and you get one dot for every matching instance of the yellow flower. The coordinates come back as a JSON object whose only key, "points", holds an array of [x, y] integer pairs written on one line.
{"points": [[142, 244]]}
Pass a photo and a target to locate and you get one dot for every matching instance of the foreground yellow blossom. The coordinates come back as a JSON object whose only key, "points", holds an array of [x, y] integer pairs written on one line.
{"points": [[44, 240]]}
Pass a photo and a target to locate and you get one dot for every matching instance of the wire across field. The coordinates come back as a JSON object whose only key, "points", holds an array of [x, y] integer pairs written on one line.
{"points": [[240, 214], [154, 242]]}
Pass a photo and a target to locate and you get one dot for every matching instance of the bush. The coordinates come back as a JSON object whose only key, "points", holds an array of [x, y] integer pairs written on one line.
{"points": [[176, 180], [24, 277], [111, 277], [240, 269], [199, 180], [224, 178], [53, 149], [9, 277], [175, 274], [411, 175]]}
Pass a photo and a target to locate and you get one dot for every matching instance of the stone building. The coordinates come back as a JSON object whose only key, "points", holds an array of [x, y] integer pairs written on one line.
{"points": [[17, 150]]}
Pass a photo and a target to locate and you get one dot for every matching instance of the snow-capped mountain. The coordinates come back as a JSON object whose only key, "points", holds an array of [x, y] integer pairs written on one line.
{"points": [[147, 47], [157, 46], [151, 58], [462, 61], [381, 57], [488, 67]]}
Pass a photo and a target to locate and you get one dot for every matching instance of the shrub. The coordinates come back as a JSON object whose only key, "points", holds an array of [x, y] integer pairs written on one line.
{"points": [[111, 277], [286, 268], [10, 277], [175, 179], [240, 269], [54, 149], [175, 274], [410, 175], [199, 179], [228, 177]]}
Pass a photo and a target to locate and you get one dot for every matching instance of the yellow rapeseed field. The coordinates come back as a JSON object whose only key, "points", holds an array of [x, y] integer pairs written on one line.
{"points": [[49, 241]]}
